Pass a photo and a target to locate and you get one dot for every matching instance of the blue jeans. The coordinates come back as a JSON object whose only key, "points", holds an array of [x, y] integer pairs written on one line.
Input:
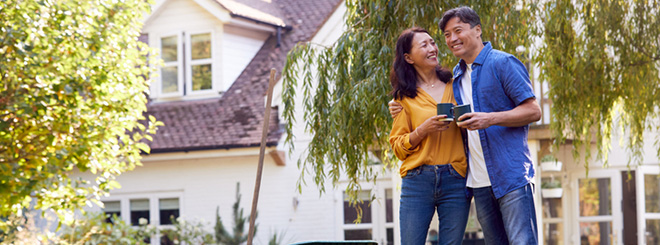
{"points": [[428, 189], [508, 220]]}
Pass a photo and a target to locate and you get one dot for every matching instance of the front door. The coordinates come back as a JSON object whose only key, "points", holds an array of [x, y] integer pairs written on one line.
{"points": [[598, 218]]}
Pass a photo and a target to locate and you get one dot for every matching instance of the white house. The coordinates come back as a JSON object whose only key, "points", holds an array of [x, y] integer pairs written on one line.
{"points": [[210, 95]]}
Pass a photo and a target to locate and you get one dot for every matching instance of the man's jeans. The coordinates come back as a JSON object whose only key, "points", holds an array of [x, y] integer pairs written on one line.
{"points": [[508, 220], [428, 189]]}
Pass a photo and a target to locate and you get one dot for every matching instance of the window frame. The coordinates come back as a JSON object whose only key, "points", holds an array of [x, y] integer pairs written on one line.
{"points": [[179, 63], [154, 208], [379, 224], [188, 63]]}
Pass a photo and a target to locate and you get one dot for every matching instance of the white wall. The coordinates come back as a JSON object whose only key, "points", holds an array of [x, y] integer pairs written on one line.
{"points": [[209, 182], [238, 48]]}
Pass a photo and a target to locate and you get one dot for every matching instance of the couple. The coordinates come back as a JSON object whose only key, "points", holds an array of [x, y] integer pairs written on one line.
{"points": [[487, 153]]}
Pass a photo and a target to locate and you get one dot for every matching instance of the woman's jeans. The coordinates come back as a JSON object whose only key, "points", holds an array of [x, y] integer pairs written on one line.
{"points": [[425, 190]]}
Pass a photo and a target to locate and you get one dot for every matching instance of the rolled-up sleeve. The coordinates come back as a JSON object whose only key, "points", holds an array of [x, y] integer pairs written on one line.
{"points": [[400, 136]]}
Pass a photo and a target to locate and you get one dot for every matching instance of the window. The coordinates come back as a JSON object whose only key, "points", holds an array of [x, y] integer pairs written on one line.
{"points": [[553, 221], [652, 208], [139, 210], [169, 210], [171, 73], [361, 231], [156, 209], [199, 73], [110, 209], [187, 65], [377, 217]]}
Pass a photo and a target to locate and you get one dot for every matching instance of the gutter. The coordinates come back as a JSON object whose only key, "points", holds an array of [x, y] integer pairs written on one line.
{"points": [[278, 27]]}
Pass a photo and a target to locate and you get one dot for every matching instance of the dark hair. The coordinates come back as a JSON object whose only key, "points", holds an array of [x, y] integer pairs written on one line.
{"points": [[465, 14], [403, 75]]}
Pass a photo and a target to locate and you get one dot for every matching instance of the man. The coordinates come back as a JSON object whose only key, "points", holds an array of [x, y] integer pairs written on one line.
{"points": [[497, 86]]}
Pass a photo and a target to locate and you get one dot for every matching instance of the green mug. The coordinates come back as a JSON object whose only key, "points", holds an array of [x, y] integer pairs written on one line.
{"points": [[460, 110], [446, 109]]}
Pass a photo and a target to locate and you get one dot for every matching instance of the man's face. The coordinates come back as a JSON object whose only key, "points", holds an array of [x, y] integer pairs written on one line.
{"points": [[463, 41]]}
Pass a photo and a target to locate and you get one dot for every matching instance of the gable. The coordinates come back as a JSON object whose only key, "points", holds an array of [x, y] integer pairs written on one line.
{"points": [[180, 15]]}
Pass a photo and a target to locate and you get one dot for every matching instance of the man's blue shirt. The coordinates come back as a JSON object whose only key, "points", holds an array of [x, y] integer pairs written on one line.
{"points": [[500, 82]]}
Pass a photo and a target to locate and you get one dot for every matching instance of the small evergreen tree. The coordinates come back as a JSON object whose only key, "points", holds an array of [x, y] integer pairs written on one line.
{"points": [[239, 235]]}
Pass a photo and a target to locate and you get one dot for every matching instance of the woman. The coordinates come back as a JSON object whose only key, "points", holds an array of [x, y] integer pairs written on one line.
{"points": [[434, 163]]}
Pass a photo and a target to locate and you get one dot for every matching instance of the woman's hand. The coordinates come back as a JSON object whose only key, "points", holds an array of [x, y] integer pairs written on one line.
{"points": [[431, 125]]}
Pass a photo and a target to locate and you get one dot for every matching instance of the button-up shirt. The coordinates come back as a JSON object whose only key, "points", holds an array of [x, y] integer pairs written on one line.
{"points": [[500, 82]]}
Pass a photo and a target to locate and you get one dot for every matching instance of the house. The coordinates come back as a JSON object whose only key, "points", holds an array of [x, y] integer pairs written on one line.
{"points": [[210, 93]]}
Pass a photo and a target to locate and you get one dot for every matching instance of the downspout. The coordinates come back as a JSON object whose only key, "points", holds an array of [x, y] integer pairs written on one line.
{"points": [[279, 36]]}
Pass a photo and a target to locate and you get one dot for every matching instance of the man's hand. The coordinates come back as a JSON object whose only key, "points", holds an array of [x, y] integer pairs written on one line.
{"points": [[395, 108], [475, 120]]}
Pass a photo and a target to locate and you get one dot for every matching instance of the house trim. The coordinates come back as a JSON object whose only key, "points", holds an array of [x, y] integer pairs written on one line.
{"points": [[209, 153]]}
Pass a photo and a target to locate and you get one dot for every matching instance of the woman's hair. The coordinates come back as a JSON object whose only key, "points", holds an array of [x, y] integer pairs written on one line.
{"points": [[403, 75]]}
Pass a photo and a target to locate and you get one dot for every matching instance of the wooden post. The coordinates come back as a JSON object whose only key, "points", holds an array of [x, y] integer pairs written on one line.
{"points": [[264, 135]]}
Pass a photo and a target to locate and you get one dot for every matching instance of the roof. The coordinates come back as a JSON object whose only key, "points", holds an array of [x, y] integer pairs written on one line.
{"points": [[259, 10], [236, 119]]}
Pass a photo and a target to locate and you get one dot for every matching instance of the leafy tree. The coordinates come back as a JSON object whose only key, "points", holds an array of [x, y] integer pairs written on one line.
{"points": [[346, 85], [73, 91], [600, 59], [239, 235]]}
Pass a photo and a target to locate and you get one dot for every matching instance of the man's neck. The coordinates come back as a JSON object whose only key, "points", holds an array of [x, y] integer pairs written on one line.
{"points": [[473, 55]]}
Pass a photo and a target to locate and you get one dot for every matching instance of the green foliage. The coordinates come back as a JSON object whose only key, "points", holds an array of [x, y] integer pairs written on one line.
{"points": [[93, 229], [551, 184], [601, 59], [548, 158], [345, 86], [187, 232], [73, 89], [277, 238], [239, 234]]}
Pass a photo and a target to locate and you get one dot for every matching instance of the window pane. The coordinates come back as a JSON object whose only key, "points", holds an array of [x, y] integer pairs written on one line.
{"points": [[169, 209], [595, 233], [552, 208], [357, 235], [652, 231], [595, 197], [169, 80], [169, 48], [110, 209], [201, 46], [139, 209], [389, 217], [390, 236], [201, 77], [553, 233], [350, 213], [652, 193]]}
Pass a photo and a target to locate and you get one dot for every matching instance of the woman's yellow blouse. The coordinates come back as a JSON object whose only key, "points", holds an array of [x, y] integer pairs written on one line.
{"points": [[437, 148]]}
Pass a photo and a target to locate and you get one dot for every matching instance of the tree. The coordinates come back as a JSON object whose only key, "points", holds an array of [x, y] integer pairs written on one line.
{"points": [[238, 235], [601, 60], [72, 94], [594, 54], [346, 85]]}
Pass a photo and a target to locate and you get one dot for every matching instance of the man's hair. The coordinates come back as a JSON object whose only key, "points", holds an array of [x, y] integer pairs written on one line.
{"points": [[465, 14]]}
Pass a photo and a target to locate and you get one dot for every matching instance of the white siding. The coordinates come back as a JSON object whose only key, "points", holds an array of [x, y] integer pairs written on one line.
{"points": [[206, 183], [239, 47]]}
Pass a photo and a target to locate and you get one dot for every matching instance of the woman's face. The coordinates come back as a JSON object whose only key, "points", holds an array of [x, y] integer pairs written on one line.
{"points": [[424, 52]]}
